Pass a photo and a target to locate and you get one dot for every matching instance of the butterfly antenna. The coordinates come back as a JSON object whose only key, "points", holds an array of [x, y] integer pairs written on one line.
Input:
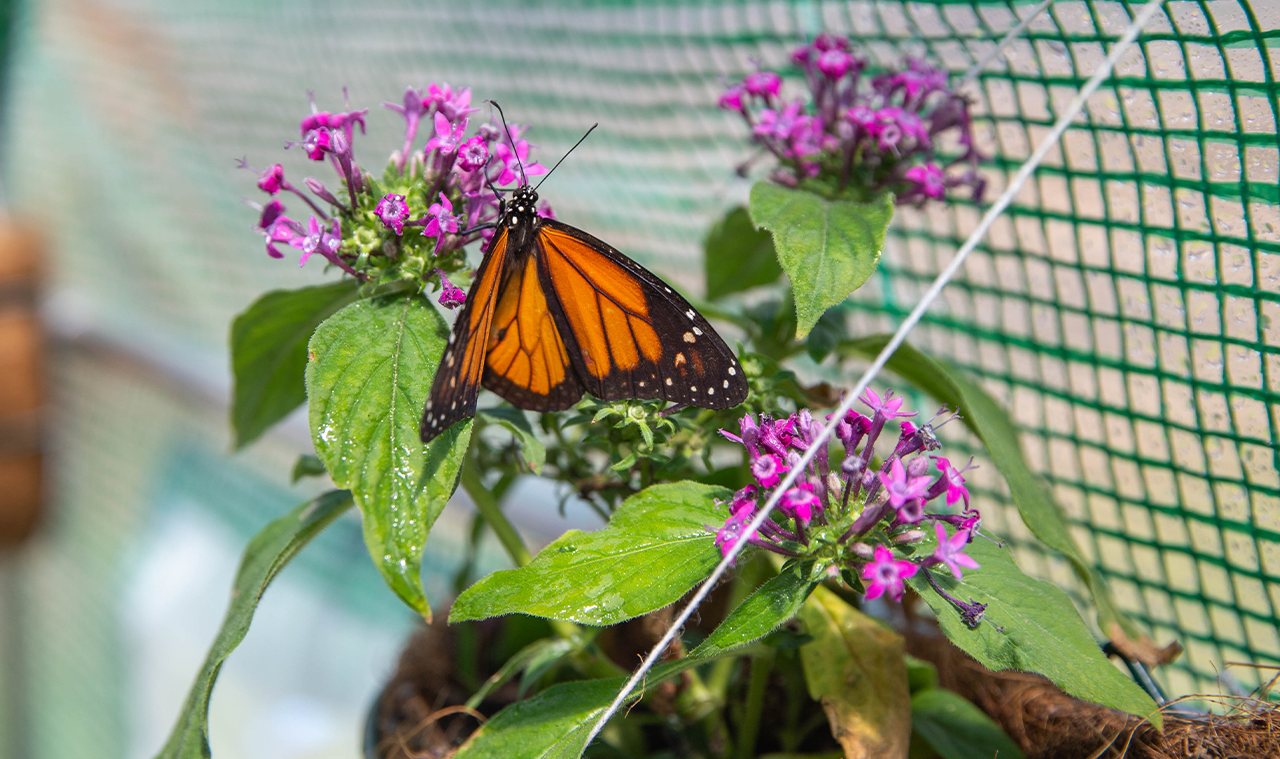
{"points": [[523, 179], [566, 155]]}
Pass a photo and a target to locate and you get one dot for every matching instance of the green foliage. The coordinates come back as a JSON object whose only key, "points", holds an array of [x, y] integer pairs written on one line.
{"points": [[654, 549], [269, 353], [828, 247], [1030, 626], [307, 466], [957, 729], [764, 611], [370, 371], [554, 723], [267, 553], [532, 450], [738, 256], [992, 425]]}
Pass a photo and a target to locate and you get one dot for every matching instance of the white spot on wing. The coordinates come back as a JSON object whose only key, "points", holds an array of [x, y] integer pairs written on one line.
{"points": [[732, 371], [711, 391], [668, 382], [689, 313], [697, 331], [726, 384], [689, 338]]}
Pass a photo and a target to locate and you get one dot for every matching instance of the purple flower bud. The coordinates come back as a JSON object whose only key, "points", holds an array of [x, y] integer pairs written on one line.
{"points": [[825, 42], [908, 537], [545, 211], [392, 212], [322, 192], [862, 551], [338, 142]]}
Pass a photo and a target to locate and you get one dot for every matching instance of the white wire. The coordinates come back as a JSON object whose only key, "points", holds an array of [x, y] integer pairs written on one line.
{"points": [[1005, 199], [1005, 41]]}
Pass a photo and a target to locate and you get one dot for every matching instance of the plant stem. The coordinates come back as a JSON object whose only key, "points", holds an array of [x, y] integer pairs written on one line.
{"points": [[749, 730], [488, 507]]}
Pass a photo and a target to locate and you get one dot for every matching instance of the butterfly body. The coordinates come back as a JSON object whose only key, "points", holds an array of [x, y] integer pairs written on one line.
{"points": [[555, 312]]}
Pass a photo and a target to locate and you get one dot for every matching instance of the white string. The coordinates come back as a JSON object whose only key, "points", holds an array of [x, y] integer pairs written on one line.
{"points": [[1005, 41], [1005, 199]]}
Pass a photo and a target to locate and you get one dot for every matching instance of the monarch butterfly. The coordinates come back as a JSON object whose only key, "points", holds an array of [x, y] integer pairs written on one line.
{"points": [[555, 312]]}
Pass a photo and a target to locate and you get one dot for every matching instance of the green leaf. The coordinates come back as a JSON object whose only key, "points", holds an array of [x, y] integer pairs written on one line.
{"points": [[267, 553], [655, 547], [738, 256], [1030, 626], [828, 248], [269, 353], [531, 448], [992, 425], [370, 371], [921, 675], [543, 652], [308, 466], [854, 667], [957, 729], [762, 612], [554, 723]]}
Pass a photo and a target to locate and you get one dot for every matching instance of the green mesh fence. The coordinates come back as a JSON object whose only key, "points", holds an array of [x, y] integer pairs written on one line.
{"points": [[1122, 308]]}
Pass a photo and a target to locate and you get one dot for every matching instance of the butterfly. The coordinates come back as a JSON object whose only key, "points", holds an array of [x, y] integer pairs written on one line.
{"points": [[555, 312]]}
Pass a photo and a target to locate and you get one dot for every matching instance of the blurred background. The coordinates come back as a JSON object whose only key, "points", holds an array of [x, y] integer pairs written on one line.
{"points": [[1124, 310]]}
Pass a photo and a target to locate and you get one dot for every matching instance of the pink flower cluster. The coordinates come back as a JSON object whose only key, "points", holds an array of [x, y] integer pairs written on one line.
{"points": [[871, 133], [858, 505]]}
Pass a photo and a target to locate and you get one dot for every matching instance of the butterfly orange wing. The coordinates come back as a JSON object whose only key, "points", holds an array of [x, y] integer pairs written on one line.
{"points": [[628, 334], [527, 362], [457, 381]]}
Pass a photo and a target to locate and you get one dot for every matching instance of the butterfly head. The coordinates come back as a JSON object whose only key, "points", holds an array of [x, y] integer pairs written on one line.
{"points": [[523, 205]]}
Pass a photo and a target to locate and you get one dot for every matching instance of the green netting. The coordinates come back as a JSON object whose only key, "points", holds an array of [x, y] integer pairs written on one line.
{"points": [[1123, 308]]}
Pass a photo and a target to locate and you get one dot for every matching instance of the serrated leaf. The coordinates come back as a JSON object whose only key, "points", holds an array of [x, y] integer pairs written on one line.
{"points": [[1030, 626], [532, 450], [269, 353], [737, 256], [992, 425], [554, 723], [828, 248], [371, 368], [854, 668], [762, 612], [957, 729], [267, 553], [655, 547]]}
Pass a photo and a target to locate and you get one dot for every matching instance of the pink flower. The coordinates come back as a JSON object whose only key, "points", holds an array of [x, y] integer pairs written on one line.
{"points": [[512, 160], [731, 99], [886, 408], [452, 105], [271, 179], [318, 239], [885, 575], [448, 135], [950, 551], [768, 470], [392, 212], [473, 154], [835, 63], [453, 296], [762, 83], [545, 211], [442, 220], [316, 142], [799, 503], [734, 531], [901, 487], [955, 482], [928, 180]]}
